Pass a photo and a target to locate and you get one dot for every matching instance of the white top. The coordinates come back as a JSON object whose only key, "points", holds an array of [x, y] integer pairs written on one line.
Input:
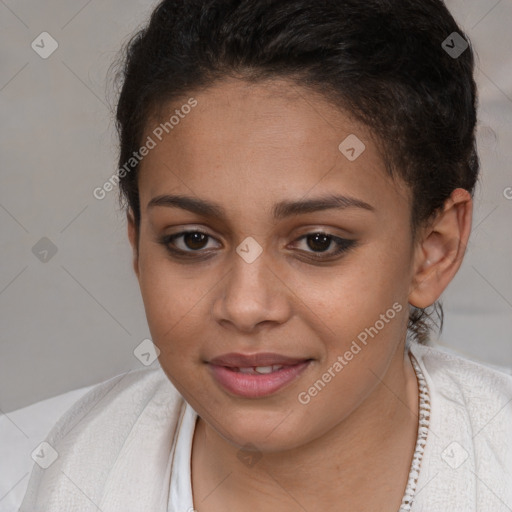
{"points": [[180, 492], [126, 445], [21, 431], [180, 496]]}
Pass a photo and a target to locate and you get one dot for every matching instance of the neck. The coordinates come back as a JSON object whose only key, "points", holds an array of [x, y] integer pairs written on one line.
{"points": [[362, 462]]}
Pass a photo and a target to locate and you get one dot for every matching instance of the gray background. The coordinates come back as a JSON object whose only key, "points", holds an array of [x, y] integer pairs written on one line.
{"points": [[75, 319]]}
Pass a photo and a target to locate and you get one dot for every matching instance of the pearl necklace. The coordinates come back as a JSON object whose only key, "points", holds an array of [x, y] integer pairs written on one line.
{"points": [[424, 421]]}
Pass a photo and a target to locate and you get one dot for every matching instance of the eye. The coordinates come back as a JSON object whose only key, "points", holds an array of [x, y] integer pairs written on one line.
{"points": [[196, 240], [320, 242]]}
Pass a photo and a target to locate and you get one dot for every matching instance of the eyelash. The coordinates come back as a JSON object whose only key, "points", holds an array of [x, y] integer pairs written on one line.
{"points": [[343, 244]]}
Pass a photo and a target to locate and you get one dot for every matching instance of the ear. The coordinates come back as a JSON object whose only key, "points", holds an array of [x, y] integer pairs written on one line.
{"points": [[440, 249], [133, 236]]}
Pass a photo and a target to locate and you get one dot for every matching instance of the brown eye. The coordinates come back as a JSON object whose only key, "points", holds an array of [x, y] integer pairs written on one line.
{"points": [[185, 243], [320, 242], [194, 239], [191, 241]]}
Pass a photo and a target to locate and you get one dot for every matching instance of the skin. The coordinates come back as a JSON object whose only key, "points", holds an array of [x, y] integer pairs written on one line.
{"points": [[247, 147]]}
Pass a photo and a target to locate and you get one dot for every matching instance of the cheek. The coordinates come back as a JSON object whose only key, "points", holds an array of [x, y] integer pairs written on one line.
{"points": [[363, 319], [172, 300], [352, 296]]}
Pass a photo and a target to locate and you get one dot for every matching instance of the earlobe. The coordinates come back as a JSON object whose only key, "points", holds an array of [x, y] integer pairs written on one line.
{"points": [[440, 251], [133, 237]]}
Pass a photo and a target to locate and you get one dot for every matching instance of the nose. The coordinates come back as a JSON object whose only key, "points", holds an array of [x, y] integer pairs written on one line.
{"points": [[252, 295]]}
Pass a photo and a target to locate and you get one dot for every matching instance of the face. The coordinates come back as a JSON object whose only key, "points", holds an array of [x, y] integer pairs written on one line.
{"points": [[257, 275]]}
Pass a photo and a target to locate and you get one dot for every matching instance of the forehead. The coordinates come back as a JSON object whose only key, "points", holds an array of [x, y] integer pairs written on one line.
{"points": [[251, 145]]}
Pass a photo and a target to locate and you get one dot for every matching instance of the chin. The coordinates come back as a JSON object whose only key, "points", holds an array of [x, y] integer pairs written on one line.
{"points": [[257, 431]]}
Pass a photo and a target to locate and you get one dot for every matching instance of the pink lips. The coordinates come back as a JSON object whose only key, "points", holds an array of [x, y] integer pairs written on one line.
{"points": [[225, 370]]}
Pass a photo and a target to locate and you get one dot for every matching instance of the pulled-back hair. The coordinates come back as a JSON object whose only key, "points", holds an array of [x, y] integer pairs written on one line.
{"points": [[382, 61]]}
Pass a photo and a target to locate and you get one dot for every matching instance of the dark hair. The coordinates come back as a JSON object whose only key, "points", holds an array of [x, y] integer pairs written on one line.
{"points": [[385, 62]]}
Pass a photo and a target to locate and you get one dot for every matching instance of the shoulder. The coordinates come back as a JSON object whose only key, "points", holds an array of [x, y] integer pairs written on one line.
{"points": [[470, 401], [467, 461], [21, 431], [449, 368], [468, 396], [119, 402], [475, 386], [113, 427]]}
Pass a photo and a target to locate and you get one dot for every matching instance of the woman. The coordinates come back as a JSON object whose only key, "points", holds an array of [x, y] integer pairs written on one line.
{"points": [[298, 181]]}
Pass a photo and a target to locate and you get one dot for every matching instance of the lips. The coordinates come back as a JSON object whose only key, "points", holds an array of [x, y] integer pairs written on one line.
{"points": [[236, 360], [256, 375]]}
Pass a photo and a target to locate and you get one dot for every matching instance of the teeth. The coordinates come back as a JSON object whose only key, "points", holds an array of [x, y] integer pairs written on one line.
{"points": [[252, 370], [264, 369], [246, 370]]}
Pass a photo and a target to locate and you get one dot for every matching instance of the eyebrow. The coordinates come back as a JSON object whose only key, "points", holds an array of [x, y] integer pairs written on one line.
{"points": [[281, 210]]}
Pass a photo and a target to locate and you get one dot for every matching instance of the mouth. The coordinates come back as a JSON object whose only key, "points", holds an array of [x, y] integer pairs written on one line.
{"points": [[256, 380], [261, 359], [257, 370]]}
